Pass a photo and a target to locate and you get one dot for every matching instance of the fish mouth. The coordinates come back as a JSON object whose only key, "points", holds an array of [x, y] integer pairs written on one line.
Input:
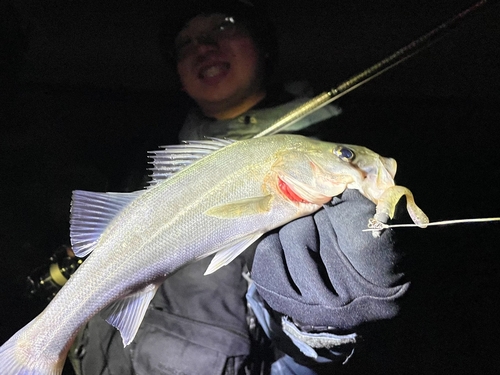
{"points": [[376, 181]]}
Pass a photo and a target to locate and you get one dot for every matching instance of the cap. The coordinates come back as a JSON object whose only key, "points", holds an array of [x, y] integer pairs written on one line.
{"points": [[252, 14]]}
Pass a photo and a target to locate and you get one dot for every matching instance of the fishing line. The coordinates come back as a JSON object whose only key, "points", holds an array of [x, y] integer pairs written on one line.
{"points": [[375, 225], [367, 75]]}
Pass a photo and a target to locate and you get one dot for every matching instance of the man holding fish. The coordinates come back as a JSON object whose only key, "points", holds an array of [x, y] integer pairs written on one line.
{"points": [[310, 272], [292, 303]]}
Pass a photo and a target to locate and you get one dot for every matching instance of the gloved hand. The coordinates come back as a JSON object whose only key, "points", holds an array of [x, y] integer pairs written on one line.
{"points": [[324, 271]]}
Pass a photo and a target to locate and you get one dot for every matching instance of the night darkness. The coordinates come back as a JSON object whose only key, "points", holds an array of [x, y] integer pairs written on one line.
{"points": [[85, 93]]}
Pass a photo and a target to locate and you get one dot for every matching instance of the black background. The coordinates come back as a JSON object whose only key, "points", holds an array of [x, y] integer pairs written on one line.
{"points": [[85, 93]]}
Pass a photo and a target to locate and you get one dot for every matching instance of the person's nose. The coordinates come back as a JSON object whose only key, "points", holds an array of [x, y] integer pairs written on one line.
{"points": [[205, 44]]}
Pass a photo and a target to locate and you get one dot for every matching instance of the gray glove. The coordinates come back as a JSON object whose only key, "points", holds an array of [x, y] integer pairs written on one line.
{"points": [[325, 272]]}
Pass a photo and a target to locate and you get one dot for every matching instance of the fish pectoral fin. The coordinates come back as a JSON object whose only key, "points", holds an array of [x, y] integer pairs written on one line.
{"points": [[243, 207], [227, 254], [126, 314], [91, 213]]}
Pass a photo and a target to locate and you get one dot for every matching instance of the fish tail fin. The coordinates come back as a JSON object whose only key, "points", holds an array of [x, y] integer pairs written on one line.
{"points": [[15, 361]]}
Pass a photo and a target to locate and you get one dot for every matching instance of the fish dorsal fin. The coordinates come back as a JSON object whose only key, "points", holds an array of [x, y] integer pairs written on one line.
{"points": [[126, 314], [169, 160], [91, 213], [227, 253]]}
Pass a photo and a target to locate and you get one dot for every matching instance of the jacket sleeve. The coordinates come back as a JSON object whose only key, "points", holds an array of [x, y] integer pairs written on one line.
{"points": [[324, 275]]}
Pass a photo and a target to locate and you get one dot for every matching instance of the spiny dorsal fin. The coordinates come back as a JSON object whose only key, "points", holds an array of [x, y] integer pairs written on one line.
{"points": [[171, 159]]}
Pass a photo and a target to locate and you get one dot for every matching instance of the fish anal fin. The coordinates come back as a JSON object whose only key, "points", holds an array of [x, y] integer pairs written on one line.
{"points": [[126, 314], [240, 208], [228, 253]]}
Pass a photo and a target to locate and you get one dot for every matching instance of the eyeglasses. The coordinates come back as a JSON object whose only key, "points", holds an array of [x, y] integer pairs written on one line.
{"points": [[221, 29]]}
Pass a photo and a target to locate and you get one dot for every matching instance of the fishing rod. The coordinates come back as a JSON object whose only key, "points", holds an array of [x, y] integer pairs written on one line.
{"points": [[367, 75]]}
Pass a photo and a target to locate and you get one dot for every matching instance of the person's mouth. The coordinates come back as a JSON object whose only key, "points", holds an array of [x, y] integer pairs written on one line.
{"points": [[213, 71]]}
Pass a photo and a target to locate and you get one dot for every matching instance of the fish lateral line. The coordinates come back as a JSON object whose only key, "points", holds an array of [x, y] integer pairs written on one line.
{"points": [[289, 193], [375, 225]]}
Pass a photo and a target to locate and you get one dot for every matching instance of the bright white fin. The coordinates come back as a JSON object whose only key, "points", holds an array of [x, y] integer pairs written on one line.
{"points": [[227, 254], [244, 207], [127, 313], [171, 159], [91, 213], [14, 361]]}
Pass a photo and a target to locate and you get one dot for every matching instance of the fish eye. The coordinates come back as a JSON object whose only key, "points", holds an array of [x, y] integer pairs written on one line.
{"points": [[344, 153]]}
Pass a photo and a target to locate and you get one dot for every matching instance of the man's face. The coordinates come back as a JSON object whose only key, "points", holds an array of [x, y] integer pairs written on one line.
{"points": [[218, 61]]}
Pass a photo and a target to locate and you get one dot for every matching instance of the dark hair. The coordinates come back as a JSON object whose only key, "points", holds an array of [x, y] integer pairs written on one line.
{"points": [[254, 18]]}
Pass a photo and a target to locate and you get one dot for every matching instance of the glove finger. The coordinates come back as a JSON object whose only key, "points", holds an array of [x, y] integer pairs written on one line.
{"points": [[373, 257], [269, 268], [300, 241]]}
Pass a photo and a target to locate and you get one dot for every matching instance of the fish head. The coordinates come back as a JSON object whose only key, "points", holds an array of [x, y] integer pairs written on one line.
{"points": [[316, 171], [377, 172], [373, 175]]}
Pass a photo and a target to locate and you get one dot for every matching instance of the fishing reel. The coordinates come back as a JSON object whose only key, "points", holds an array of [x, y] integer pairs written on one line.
{"points": [[45, 281]]}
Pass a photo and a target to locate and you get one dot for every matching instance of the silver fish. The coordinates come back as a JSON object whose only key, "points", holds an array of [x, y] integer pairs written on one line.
{"points": [[206, 197]]}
